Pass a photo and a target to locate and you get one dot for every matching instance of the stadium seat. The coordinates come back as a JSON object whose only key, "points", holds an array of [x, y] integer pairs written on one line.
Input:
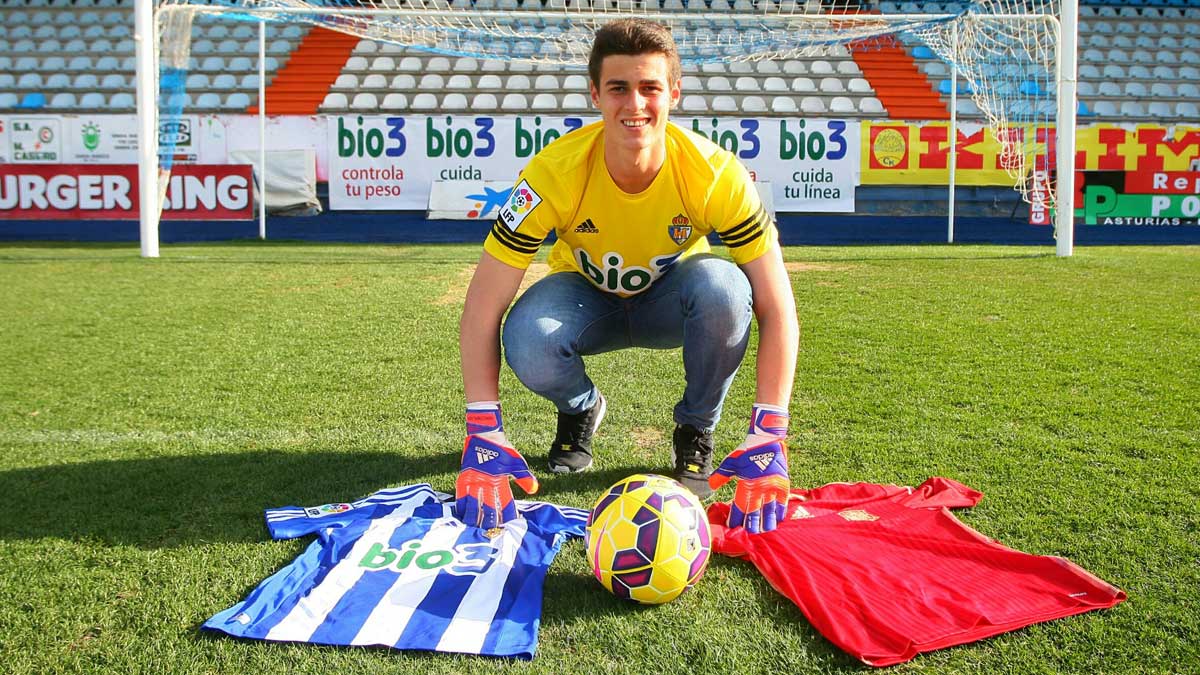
{"points": [[694, 103], [357, 64], [794, 67], [871, 106], [575, 101], [1188, 90], [717, 83], [53, 64], [1187, 110], [1162, 90], [291, 32], [544, 101], [691, 83], [241, 64], [280, 47], [712, 68], [365, 47], [213, 64], [236, 101], [431, 82], [546, 83], [208, 101], [1159, 109], [45, 45], [438, 64], [63, 99], [514, 101], [121, 100], [364, 100], [383, 64], [783, 104], [1136, 89], [1132, 109], [249, 81], [224, 81], [404, 81], [746, 84], [518, 82], [812, 104], [196, 81], [1109, 88], [484, 101], [803, 85], [967, 107], [832, 85], [753, 104], [842, 105], [244, 32], [7, 81], [334, 101], [848, 68], [345, 81], [820, 67], [768, 67], [394, 101], [575, 83], [29, 81], [374, 81], [489, 81], [1085, 88], [1139, 72], [92, 100], [724, 104], [466, 64], [1114, 72]]}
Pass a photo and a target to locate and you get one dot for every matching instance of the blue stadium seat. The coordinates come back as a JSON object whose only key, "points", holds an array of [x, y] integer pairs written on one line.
{"points": [[236, 101], [92, 100], [34, 100], [59, 80], [8, 100]]}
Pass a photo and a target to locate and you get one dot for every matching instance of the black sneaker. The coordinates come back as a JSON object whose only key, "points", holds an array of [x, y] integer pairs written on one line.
{"points": [[572, 448], [693, 458]]}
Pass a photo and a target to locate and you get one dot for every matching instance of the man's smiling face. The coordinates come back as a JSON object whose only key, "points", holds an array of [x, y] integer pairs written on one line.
{"points": [[635, 96]]}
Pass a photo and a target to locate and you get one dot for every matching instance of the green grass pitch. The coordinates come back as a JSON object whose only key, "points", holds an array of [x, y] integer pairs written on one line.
{"points": [[150, 409]]}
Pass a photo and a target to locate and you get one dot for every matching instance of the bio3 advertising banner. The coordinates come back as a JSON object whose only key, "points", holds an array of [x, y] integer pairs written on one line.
{"points": [[110, 192], [391, 162]]}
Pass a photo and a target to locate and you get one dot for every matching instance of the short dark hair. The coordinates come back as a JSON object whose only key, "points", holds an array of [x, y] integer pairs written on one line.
{"points": [[632, 37]]}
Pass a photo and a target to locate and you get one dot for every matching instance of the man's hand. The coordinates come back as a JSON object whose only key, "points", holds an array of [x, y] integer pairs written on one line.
{"points": [[760, 464], [483, 497]]}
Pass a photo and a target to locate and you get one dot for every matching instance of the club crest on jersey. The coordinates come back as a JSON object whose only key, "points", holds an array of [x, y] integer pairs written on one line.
{"points": [[680, 229], [858, 515], [762, 460], [463, 559], [521, 202], [485, 455], [326, 509]]}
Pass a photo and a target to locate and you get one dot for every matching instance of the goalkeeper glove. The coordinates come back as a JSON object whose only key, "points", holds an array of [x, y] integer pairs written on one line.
{"points": [[760, 465], [483, 497]]}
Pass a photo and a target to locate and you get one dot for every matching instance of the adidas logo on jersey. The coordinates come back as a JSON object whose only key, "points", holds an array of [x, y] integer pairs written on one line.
{"points": [[587, 227], [763, 460], [485, 455]]}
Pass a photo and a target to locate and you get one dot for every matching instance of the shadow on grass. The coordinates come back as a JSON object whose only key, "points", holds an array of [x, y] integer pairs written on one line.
{"points": [[181, 500]]}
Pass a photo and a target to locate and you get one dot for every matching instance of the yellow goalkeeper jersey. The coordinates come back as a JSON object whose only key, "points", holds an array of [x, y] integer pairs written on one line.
{"points": [[623, 242]]}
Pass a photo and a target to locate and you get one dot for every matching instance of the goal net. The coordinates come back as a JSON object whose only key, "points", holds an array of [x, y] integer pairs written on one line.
{"points": [[1003, 53]]}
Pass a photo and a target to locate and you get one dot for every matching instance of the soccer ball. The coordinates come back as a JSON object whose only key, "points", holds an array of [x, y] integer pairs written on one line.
{"points": [[648, 539]]}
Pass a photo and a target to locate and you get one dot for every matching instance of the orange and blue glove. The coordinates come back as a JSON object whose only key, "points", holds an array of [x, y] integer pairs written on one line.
{"points": [[483, 497], [760, 465]]}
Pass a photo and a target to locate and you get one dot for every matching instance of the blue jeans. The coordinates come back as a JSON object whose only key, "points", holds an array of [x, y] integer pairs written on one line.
{"points": [[703, 304]]}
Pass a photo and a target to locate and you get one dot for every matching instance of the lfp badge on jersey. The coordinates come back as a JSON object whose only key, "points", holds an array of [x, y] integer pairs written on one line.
{"points": [[326, 509], [521, 202], [680, 229]]}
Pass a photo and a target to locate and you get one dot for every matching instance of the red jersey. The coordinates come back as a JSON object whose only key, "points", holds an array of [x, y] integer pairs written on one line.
{"points": [[887, 572]]}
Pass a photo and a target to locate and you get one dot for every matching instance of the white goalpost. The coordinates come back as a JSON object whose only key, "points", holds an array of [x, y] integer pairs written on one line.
{"points": [[1016, 56]]}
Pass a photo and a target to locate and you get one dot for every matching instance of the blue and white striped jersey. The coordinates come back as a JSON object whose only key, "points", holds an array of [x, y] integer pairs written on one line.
{"points": [[397, 569]]}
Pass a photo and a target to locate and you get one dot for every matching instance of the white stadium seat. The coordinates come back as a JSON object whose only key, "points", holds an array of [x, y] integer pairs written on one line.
{"points": [[394, 101], [424, 101], [334, 101], [783, 104], [544, 101]]}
